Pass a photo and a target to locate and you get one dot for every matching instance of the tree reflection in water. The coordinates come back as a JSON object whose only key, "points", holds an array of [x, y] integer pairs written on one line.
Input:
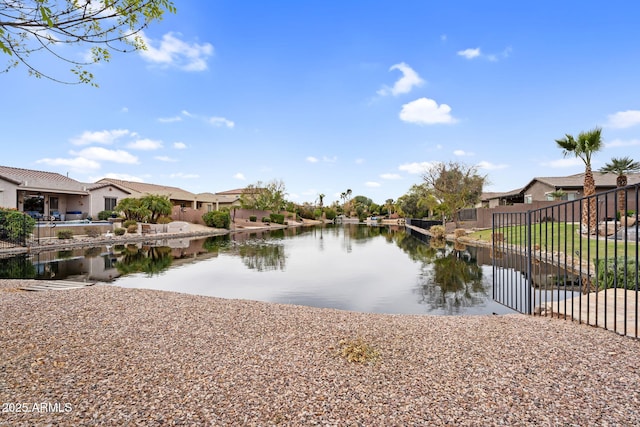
{"points": [[151, 260], [450, 277], [256, 252]]}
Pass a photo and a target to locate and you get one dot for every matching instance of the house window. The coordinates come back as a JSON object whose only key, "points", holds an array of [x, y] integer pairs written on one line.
{"points": [[110, 203], [53, 203], [528, 199]]}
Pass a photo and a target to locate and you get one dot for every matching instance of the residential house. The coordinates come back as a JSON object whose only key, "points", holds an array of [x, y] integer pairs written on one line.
{"points": [[177, 196], [556, 188], [43, 194]]}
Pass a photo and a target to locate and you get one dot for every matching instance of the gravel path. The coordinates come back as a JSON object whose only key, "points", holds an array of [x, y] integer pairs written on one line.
{"points": [[106, 355]]}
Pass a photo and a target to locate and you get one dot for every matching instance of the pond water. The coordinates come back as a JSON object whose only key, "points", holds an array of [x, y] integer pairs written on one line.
{"points": [[350, 267]]}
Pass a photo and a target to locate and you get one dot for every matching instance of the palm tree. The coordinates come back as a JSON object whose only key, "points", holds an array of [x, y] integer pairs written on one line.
{"points": [[583, 147], [622, 167]]}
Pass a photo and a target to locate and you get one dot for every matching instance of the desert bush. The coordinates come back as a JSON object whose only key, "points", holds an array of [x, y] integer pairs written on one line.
{"points": [[164, 220], [459, 232], [266, 219], [104, 215], [277, 218], [132, 228], [15, 224], [119, 231], [65, 234], [129, 222], [330, 214], [217, 219], [619, 273], [437, 231], [92, 231], [253, 218]]}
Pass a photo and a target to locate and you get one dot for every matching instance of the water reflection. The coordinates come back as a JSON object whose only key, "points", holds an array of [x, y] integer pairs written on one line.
{"points": [[351, 267]]}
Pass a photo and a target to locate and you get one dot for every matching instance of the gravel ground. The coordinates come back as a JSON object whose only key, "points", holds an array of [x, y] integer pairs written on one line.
{"points": [[106, 355]]}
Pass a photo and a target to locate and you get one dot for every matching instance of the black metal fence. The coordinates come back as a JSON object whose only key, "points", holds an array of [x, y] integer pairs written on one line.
{"points": [[574, 260]]}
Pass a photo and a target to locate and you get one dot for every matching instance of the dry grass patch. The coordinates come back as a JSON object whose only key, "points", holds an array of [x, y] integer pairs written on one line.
{"points": [[357, 351]]}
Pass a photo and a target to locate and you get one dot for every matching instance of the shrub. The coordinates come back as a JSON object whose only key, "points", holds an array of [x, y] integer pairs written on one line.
{"points": [[92, 231], [330, 214], [437, 231], [253, 218], [620, 273], [266, 219], [459, 232], [164, 220], [217, 219], [132, 228], [104, 215], [15, 224], [129, 222], [65, 234], [277, 218], [119, 231]]}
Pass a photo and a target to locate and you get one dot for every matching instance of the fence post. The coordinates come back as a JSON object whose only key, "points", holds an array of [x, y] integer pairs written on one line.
{"points": [[529, 262]]}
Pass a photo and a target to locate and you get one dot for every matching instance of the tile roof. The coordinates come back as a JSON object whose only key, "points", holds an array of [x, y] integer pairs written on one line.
{"points": [[42, 181], [603, 180], [173, 193]]}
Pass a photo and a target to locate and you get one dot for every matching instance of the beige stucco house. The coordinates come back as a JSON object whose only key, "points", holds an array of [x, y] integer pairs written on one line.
{"points": [[43, 194]]}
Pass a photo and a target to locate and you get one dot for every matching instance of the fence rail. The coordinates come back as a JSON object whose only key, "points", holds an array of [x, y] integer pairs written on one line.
{"points": [[585, 269]]}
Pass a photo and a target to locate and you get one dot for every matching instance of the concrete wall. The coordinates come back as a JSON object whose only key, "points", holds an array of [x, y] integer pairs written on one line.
{"points": [[97, 199]]}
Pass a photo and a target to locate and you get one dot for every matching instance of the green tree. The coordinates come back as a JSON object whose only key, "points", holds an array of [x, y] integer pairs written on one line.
{"points": [[132, 209], [267, 197], [49, 26], [583, 148], [156, 206], [621, 166], [411, 204], [455, 186]]}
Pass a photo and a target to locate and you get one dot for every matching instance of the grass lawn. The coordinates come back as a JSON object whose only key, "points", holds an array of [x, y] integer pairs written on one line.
{"points": [[562, 237]]}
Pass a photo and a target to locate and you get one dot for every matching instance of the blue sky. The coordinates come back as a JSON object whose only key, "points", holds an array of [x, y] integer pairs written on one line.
{"points": [[330, 95]]}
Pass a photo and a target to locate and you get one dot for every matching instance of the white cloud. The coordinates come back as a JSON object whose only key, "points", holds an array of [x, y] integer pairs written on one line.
{"points": [[179, 145], [145, 144], [359, 161], [102, 154], [415, 167], [220, 121], [372, 184], [490, 166], [564, 163], [462, 153], [184, 175], [443, 37], [186, 113], [425, 111], [173, 52], [390, 176], [105, 137], [124, 110], [170, 119], [165, 159], [622, 143], [311, 159], [79, 164], [623, 119], [477, 53], [408, 81], [239, 176], [470, 53]]}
